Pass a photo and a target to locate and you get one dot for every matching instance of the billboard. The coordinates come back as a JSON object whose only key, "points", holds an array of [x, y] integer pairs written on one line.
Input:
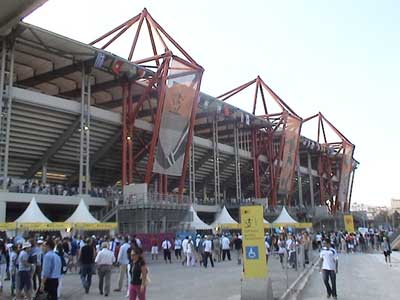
{"points": [[181, 89], [345, 171], [292, 138]]}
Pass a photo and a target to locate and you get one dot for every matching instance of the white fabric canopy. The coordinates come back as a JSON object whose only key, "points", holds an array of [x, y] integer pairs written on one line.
{"points": [[197, 223], [285, 218], [82, 215], [223, 218], [32, 214]]}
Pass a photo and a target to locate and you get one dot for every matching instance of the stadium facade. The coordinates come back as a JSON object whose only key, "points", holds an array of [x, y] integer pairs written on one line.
{"points": [[138, 131]]}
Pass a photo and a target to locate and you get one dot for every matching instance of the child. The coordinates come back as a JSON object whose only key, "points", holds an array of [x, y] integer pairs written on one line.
{"points": [[154, 250]]}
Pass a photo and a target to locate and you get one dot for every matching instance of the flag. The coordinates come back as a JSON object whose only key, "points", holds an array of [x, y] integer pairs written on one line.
{"points": [[99, 60], [116, 68]]}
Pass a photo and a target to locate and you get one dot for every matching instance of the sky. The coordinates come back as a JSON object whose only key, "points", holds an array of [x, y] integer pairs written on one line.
{"points": [[338, 57]]}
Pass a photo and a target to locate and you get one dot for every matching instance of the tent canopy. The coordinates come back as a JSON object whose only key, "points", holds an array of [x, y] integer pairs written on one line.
{"points": [[266, 222], [224, 218], [285, 218], [82, 215], [32, 214], [197, 223]]}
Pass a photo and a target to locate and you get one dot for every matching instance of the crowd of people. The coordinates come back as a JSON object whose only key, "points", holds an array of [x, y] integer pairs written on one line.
{"points": [[34, 186], [37, 265]]}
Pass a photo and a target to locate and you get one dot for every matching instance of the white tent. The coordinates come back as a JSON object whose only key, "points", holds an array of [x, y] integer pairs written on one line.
{"points": [[32, 214], [285, 218], [197, 223], [82, 215], [224, 218]]}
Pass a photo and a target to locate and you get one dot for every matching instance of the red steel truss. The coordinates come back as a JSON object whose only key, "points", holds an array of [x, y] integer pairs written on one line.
{"points": [[165, 65], [269, 140], [330, 161]]}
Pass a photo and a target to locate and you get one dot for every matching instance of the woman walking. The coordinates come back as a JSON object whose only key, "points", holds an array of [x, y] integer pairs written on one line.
{"points": [[138, 271], [387, 250]]}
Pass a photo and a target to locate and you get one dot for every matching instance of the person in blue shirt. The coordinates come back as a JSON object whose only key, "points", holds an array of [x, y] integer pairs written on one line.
{"points": [[51, 270]]}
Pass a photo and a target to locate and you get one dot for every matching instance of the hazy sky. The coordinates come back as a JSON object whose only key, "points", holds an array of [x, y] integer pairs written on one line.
{"points": [[337, 57]]}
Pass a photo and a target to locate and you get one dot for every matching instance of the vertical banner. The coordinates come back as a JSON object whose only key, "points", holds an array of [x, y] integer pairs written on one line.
{"points": [[345, 171], [252, 224], [181, 89], [292, 138], [348, 223]]}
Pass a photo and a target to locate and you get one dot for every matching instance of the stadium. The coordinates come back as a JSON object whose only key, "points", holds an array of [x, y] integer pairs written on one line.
{"points": [[137, 139]]}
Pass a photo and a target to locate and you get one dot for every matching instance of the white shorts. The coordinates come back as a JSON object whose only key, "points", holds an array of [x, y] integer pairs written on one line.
{"points": [[154, 250]]}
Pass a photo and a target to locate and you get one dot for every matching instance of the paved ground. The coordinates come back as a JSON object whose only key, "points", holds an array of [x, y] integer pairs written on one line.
{"points": [[181, 283], [361, 276]]}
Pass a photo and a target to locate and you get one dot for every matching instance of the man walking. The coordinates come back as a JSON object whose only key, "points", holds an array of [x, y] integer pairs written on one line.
{"points": [[207, 246], [166, 245], [123, 263], [329, 266], [104, 261], [86, 259], [237, 243], [226, 248], [24, 280], [51, 271]]}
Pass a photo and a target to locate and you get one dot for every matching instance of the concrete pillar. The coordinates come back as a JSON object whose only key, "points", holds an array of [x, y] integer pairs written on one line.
{"points": [[311, 180], [3, 207], [299, 182], [44, 173]]}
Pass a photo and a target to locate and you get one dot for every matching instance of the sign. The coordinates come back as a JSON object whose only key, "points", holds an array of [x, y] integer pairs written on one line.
{"points": [[252, 224], [8, 226], [55, 226], [349, 223], [95, 226]]}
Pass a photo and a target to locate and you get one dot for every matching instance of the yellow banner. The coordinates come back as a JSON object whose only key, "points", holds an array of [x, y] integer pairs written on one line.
{"points": [[55, 226], [295, 225], [8, 226], [255, 264], [95, 226], [349, 223]]}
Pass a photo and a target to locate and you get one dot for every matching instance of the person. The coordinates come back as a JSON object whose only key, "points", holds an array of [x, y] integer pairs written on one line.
{"points": [[190, 260], [13, 268], [184, 249], [123, 263], [24, 282], [387, 251], [281, 250], [138, 271], [166, 245], [217, 248], [73, 262], [60, 252], [178, 248], [3, 264], [226, 248], [37, 263], [154, 250], [267, 249], [208, 247], [51, 271], [86, 259], [307, 247], [104, 261], [328, 266], [237, 244]]}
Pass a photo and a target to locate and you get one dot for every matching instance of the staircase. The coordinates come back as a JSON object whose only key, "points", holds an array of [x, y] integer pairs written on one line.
{"points": [[395, 240]]}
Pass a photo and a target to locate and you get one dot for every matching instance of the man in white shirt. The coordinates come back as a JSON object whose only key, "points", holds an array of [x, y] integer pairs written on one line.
{"points": [[178, 248], [104, 261], [226, 248], [184, 249], [329, 267], [123, 261], [166, 245], [207, 245]]}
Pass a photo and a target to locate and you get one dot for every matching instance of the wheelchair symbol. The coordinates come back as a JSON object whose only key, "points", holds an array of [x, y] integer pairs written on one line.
{"points": [[252, 252]]}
